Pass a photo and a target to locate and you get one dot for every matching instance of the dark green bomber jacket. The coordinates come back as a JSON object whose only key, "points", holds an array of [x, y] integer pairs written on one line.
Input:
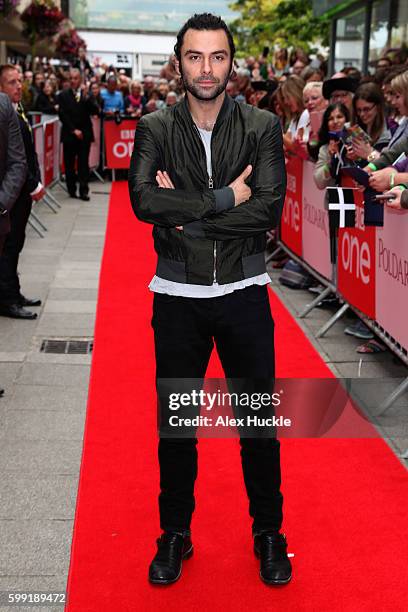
{"points": [[169, 140]]}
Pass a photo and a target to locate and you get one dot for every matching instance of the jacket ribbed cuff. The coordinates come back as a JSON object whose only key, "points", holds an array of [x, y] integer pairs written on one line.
{"points": [[224, 199]]}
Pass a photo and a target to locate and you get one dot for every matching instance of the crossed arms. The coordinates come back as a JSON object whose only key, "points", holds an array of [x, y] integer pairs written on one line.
{"points": [[216, 214]]}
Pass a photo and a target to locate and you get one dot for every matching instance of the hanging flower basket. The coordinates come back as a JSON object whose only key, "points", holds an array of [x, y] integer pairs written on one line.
{"points": [[68, 41], [41, 20]]}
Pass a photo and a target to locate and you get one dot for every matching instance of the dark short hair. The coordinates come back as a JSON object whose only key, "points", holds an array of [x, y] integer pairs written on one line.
{"points": [[203, 21]]}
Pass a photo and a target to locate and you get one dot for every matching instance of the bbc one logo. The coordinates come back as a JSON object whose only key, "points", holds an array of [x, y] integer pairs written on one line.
{"points": [[291, 209], [291, 213], [124, 146], [355, 253]]}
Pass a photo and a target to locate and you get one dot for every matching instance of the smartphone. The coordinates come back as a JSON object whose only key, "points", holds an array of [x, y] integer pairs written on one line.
{"points": [[355, 131], [384, 196], [265, 52], [335, 135]]}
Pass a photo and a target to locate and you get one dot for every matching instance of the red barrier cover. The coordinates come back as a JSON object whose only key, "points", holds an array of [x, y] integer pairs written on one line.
{"points": [[356, 261], [291, 222], [119, 141]]}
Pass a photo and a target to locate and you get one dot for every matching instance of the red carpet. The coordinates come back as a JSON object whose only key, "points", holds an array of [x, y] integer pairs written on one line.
{"points": [[345, 500]]}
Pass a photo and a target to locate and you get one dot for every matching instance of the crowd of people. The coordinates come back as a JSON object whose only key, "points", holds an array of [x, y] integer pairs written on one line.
{"points": [[348, 118], [109, 88]]}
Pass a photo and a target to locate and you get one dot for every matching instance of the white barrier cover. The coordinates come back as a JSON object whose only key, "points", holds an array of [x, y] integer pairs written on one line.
{"points": [[51, 151], [315, 226], [38, 133], [47, 146], [94, 152], [392, 275]]}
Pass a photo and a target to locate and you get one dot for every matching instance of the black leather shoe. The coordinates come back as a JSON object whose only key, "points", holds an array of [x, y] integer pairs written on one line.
{"points": [[73, 195], [23, 301], [166, 565], [85, 198], [1, 392], [270, 548], [15, 311]]}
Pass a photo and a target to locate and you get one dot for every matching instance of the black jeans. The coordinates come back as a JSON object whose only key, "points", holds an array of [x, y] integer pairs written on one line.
{"points": [[185, 329], [77, 150], [12, 247]]}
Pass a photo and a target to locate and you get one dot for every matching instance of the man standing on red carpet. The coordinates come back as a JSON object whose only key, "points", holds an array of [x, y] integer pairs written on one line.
{"points": [[209, 174]]}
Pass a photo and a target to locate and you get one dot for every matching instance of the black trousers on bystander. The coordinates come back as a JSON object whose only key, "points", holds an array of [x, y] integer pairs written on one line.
{"points": [[12, 247], [77, 151]]}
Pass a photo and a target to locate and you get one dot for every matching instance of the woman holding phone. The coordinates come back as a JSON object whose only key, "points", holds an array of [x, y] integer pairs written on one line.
{"points": [[331, 149], [369, 115]]}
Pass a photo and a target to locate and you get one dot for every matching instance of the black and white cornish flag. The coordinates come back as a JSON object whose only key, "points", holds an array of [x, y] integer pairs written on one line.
{"points": [[342, 209]]}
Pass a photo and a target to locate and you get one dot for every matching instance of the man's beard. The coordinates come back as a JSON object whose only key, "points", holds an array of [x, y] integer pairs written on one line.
{"points": [[201, 93]]}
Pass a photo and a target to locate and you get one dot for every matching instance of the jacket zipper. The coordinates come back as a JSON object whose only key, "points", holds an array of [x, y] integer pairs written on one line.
{"points": [[210, 186]]}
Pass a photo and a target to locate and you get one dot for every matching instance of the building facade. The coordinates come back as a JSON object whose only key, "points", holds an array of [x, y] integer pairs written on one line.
{"points": [[362, 31], [137, 35]]}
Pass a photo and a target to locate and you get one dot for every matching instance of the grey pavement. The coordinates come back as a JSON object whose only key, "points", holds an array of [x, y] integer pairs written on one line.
{"points": [[42, 415]]}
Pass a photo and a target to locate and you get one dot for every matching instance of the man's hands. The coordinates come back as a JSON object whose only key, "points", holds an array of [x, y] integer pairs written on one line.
{"points": [[381, 179], [163, 180], [333, 147], [78, 134], [396, 202], [361, 148], [242, 192]]}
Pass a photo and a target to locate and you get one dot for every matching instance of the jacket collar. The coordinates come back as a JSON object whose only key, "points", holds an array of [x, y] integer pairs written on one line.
{"points": [[225, 110]]}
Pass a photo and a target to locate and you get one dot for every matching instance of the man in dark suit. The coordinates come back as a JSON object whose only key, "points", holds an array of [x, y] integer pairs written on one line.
{"points": [[13, 166], [75, 110], [12, 302]]}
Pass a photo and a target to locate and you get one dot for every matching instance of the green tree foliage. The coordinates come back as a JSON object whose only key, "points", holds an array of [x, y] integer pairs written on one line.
{"points": [[287, 23]]}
